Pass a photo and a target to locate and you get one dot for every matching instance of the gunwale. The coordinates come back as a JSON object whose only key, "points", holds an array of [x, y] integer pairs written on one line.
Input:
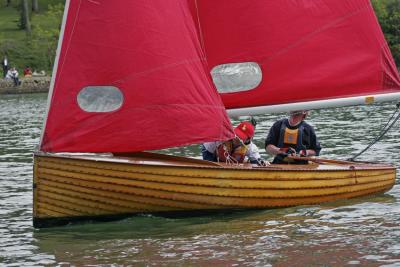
{"points": [[162, 160]]}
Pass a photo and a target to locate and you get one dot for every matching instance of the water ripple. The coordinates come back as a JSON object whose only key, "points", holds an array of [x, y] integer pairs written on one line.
{"points": [[361, 232]]}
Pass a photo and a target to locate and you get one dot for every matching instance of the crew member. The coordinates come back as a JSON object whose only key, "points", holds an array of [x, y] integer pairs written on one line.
{"points": [[292, 136], [235, 150]]}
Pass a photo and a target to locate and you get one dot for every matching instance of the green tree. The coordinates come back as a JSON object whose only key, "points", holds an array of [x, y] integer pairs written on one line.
{"points": [[388, 13], [45, 37], [25, 21], [35, 6]]}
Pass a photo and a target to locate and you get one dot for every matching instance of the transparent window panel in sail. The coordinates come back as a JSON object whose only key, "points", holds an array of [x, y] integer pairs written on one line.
{"points": [[236, 77], [100, 98]]}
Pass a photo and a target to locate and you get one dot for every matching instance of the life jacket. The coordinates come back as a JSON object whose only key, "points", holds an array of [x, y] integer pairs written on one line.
{"points": [[290, 138], [227, 148]]}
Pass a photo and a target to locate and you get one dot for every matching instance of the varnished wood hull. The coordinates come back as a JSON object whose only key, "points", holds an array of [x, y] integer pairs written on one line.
{"points": [[69, 187]]}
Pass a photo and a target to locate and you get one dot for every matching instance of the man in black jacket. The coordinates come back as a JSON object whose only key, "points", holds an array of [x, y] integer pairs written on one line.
{"points": [[292, 136]]}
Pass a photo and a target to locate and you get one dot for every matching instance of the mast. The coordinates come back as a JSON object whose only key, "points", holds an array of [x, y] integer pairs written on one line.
{"points": [[55, 68]]}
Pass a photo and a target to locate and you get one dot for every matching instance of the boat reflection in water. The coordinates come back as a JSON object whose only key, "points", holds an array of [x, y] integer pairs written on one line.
{"points": [[332, 234]]}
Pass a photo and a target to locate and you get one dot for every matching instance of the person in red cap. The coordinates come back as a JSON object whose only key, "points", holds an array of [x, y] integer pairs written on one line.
{"points": [[235, 150]]}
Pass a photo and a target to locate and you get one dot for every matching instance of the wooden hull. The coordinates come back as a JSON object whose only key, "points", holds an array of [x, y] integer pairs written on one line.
{"points": [[70, 187]]}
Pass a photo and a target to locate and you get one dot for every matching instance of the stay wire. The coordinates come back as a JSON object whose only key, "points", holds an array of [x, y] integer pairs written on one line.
{"points": [[382, 133]]}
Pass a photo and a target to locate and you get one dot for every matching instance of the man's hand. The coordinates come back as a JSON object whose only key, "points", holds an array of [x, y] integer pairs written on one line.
{"points": [[303, 153], [261, 162], [291, 151]]}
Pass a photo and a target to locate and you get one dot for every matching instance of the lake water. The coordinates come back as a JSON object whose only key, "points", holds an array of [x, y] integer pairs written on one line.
{"points": [[357, 232]]}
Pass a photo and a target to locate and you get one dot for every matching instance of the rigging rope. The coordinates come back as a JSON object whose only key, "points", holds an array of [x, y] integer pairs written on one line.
{"points": [[383, 131]]}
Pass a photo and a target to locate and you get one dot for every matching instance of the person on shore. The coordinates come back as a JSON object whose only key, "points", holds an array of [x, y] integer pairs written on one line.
{"points": [[13, 75], [235, 150], [292, 136], [4, 63], [27, 72]]}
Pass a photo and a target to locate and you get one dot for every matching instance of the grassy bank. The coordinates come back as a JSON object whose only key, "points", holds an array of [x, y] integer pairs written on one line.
{"points": [[38, 49]]}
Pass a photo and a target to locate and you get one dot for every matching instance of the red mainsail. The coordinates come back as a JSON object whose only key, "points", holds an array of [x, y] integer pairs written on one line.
{"points": [[158, 55], [307, 50], [149, 52]]}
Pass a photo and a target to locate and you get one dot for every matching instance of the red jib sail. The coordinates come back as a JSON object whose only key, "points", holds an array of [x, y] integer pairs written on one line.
{"points": [[131, 76], [307, 50]]}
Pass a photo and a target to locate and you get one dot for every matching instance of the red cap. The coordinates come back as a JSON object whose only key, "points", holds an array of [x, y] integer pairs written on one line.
{"points": [[245, 130]]}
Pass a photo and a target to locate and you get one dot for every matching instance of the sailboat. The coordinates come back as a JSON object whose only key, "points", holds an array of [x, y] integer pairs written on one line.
{"points": [[135, 76]]}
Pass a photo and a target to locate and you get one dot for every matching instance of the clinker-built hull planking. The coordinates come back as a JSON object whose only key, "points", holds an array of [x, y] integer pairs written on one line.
{"points": [[73, 187]]}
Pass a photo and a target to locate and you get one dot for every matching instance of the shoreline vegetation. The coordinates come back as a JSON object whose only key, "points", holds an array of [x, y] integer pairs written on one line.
{"points": [[29, 31]]}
